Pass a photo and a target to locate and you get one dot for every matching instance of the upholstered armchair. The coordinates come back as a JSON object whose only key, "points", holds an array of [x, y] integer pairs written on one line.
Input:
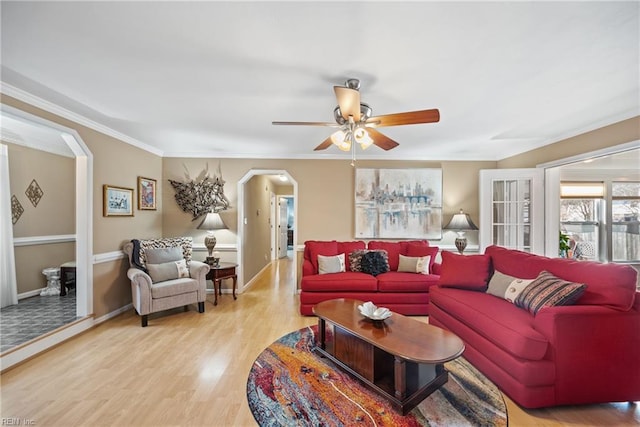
{"points": [[163, 275]]}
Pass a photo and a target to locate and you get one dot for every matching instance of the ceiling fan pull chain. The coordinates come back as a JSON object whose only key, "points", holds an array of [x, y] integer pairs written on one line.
{"points": [[353, 154]]}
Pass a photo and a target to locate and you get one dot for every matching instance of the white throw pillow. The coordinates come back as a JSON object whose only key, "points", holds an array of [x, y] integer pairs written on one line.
{"points": [[331, 264], [515, 288], [414, 264], [507, 287]]}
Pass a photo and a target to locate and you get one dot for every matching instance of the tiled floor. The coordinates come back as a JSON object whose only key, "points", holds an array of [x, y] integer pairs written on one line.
{"points": [[35, 316]]}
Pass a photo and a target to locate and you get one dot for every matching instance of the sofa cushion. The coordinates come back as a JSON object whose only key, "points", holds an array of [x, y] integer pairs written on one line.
{"points": [[316, 247], [413, 249], [348, 248], [395, 281], [173, 287], [548, 290], [393, 251], [601, 290], [410, 264], [465, 271], [331, 264], [499, 321], [337, 282], [374, 262]]}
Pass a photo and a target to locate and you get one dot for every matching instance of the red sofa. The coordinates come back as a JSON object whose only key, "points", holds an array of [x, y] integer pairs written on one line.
{"points": [[402, 292], [588, 352]]}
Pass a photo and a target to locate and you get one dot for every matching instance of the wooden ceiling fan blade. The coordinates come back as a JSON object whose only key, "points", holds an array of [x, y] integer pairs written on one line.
{"points": [[328, 124], [381, 140], [349, 102], [324, 144], [408, 118]]}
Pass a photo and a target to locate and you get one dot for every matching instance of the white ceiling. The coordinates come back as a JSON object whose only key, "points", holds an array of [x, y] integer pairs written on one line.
{"points": [[207, 78]]}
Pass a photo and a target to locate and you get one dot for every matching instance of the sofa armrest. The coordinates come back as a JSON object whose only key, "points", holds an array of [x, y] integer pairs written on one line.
{"points": [[307, 268], [140, 278], [596, 351]]}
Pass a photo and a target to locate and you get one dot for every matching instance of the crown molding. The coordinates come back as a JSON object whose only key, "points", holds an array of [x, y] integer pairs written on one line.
{"points": [[52, 108]]}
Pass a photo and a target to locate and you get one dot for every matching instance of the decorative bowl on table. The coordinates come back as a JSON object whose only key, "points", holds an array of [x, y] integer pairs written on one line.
{"points": [[370, 311]]}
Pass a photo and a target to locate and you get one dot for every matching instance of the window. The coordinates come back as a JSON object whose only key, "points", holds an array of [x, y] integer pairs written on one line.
{"points": [[581, 218], [625, 213], [585, 210]]}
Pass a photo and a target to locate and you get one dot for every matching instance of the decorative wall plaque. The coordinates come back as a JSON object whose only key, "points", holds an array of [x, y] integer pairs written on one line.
{"points": [[16, 209], [34, 193], [201, 196]]}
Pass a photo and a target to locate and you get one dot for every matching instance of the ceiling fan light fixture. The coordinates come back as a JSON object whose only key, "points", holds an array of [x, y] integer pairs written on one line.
{"points": [[362, 137], [342, 140]]}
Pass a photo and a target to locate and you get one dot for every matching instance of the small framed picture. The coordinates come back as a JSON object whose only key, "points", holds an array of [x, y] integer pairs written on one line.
{"points": [[146, 194], [117, 201]]}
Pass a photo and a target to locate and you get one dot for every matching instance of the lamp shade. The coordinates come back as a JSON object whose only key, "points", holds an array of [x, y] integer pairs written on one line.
{"points": [[461, 221], [212, 221]]}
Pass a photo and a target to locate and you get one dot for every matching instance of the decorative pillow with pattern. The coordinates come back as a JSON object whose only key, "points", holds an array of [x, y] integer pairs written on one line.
{"points": [[139, 258], [547, 290], [355, 258], [375, 262]]}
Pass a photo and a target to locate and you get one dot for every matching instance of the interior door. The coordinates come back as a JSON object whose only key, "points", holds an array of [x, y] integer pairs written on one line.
{"points": [[282, 227], [512, 209]]}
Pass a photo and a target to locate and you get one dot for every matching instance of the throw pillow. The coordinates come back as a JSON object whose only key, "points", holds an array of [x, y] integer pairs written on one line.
{"points": [[355, 259], [168, 270], [422, 250], [465, 271], [374, 262], [162, 255], [414, 264], [331, 264], [547, 290]]}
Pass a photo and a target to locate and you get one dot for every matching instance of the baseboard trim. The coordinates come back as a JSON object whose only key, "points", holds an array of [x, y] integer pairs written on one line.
{"points": [[112, 314]]}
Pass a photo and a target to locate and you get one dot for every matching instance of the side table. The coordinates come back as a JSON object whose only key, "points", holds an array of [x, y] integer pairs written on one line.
{"points": [[224, 270]]}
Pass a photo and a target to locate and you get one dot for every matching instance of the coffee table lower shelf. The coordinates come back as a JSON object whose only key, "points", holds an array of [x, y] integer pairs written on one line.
{"points": [[402, 382]]}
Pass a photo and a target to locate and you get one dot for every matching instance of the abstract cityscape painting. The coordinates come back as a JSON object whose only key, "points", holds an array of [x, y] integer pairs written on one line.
{"points": [[398, 203]]}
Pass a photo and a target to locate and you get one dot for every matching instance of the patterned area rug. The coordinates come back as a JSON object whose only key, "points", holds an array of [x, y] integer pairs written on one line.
{"points": [[290, 385]]}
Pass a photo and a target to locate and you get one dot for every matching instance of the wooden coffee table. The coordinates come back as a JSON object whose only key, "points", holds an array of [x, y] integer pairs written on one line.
{"points": [[400, 358]]}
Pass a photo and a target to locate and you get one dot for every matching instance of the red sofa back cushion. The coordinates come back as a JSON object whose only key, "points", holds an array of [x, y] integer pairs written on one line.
{"points": [[611, 285], [465, 271], [414, 250], [347, 248], [313, 248]]}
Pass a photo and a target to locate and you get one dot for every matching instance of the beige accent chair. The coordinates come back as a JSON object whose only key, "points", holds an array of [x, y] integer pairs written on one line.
{"points": [[165, 292]]}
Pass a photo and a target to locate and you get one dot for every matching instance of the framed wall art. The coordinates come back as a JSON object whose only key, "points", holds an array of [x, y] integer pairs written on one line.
{"points": [[146, 194], [117, 201], [398, 203]]}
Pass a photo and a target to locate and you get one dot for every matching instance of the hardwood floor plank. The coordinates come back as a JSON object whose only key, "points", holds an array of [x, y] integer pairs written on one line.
{"points": [[188, 368]]}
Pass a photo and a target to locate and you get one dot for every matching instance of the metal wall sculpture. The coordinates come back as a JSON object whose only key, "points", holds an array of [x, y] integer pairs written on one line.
{"points": [[202, 195]]}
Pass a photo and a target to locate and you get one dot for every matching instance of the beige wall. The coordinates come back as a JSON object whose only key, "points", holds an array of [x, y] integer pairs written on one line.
{"points": [[53, 215], [115, 163], [325, 197], [608, 136]]}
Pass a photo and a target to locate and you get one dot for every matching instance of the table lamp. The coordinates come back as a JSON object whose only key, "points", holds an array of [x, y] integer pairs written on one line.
{"points": [[460, 223], [212, 221]]}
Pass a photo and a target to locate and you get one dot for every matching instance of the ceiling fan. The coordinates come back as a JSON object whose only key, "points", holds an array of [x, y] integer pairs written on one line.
{"points": [[355, 123]]}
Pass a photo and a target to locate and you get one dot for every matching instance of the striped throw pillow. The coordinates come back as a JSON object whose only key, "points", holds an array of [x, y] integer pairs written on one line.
{"points": [[547, 290]]}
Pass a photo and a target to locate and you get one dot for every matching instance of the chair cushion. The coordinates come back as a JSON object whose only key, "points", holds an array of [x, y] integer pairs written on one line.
{"points": [[173, 287]]}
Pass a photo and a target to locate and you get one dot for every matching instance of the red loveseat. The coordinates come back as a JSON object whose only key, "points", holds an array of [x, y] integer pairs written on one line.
{"points": [[403, 292], [588, 352]]}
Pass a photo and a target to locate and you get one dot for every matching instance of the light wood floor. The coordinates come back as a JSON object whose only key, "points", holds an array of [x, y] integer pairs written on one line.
{"points": [[190, 369]]}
